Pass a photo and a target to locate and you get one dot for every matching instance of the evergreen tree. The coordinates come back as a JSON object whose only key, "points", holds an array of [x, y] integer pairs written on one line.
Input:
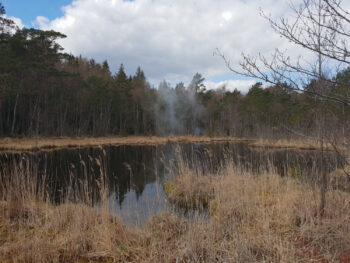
{"points": [[121, 77], [2, 9], [196, 83]]}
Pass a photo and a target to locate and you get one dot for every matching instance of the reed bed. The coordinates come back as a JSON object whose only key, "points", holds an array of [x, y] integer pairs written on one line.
{"points": [[268, 218], [252, 218]]}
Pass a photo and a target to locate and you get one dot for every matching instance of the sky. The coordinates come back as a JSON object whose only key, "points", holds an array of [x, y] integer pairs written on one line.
{"points": [[171, 40]]}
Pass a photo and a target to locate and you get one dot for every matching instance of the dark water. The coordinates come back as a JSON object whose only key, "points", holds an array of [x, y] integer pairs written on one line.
{"points": [[134, 175]]}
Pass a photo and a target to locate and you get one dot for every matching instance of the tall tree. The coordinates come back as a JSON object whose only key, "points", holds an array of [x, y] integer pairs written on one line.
{"points": [[2, 9], [196, 83]]}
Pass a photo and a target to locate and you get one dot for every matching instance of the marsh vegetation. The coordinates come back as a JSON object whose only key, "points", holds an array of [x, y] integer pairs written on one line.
{"points": [[97, 166], [225, 203]]}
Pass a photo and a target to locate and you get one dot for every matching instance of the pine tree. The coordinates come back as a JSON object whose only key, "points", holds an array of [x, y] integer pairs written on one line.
{"points": [[2, 9]]}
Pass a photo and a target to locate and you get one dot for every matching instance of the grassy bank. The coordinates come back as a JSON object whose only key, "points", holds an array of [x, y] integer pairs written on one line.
{"points": [[300, 144], [51, 143], [253, 218], [11, 144], [266, 218]]}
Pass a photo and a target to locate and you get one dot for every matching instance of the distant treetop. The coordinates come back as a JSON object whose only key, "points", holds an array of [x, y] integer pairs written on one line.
{"points": [[2, 9]]}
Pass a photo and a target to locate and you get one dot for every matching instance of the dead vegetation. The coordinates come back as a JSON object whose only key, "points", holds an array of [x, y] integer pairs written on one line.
{"points": [[190, 190], [267, 218], [26, 144], [301, 144], [29, 144], [253, 218], [340, 179], [67, 233]]}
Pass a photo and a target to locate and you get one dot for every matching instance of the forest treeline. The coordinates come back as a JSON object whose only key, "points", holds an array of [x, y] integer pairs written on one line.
{"points": [[44, 91]]}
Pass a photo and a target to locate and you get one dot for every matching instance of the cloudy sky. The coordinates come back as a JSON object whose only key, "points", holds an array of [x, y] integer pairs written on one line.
{"points": [[169, 39]]}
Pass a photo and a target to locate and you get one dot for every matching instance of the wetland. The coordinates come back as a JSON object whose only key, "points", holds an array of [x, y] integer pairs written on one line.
{"points": [[134, 175]]}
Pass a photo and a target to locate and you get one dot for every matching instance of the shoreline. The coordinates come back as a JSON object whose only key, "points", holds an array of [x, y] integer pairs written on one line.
{"points": [[291, 144], [53, 143]]}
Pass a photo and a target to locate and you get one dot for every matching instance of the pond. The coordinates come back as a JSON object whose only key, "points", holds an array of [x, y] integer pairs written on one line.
{"points": [[134, 175]]}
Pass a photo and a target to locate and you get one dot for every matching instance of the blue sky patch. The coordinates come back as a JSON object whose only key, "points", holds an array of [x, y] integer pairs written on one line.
{"points": [[28, 11]]}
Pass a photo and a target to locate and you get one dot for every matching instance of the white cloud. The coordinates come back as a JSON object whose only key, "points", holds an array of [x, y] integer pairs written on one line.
{"points": [[18, 21], [169, 39], [227, 15], [42, 22]]}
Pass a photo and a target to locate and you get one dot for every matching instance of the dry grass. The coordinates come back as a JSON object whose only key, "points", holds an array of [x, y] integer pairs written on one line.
{"points": [[190, 190], [68, 233], [267, 218], [340, 179], [28, 144], [33, 230], [254, 218], [264, 217], [301, 144], [11, 144]]}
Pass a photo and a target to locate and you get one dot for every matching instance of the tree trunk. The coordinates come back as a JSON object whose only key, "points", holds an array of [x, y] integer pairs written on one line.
{"points": [[14, 116]]}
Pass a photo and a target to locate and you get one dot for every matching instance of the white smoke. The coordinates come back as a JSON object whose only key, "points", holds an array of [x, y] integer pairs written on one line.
{"points": [[177, 109]]}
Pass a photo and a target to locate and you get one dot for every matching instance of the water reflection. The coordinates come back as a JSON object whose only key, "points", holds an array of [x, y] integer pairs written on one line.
{"points": [[134, 174]]}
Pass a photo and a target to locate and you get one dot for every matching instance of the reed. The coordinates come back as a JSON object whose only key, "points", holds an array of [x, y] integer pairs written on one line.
{"points": [[252, 218], [268, 218]]}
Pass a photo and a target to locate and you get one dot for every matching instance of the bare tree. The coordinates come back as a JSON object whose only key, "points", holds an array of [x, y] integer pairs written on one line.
{"points": [[321, 27]]}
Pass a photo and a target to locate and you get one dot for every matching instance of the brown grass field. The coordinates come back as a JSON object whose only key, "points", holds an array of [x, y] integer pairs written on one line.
{"points": [[52, 143], [253, 218], [299, 144], [25, 144]]}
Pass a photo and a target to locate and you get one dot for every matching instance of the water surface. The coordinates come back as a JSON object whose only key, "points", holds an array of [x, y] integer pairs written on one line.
{"points": [[134, 175]]}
